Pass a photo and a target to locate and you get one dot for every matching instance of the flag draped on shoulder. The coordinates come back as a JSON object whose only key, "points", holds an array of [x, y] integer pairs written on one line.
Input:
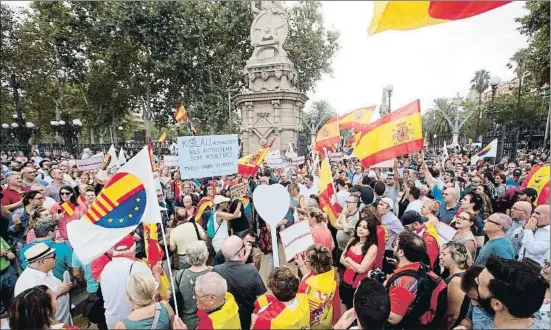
{"points": [[126, 200], [329, 134], [180, 115], [410, 15], [393, 135], [248, 165], [327, 194], [538, 179]]}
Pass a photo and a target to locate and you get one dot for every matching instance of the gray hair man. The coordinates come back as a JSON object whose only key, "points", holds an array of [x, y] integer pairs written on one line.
{"points": [[495, 227], [520, 213], [214, 302]]}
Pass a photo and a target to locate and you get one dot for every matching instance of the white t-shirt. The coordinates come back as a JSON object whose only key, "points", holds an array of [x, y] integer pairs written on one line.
{"points": [[221, 231], [113, 287], [416, 206], [342, 196]]}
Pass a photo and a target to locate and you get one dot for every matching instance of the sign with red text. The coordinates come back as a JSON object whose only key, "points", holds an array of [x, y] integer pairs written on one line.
{"points": [[296, 238]]}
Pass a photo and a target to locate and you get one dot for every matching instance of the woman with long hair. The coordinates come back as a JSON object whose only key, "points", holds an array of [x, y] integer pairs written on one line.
{"points": [[21, 217], [39, 214], [62, 213], [465, 225], [320, 233], [456, 259], [358, 258], [370, 212], [429, 210], [165, 176], [35, 308], [487, 208]]}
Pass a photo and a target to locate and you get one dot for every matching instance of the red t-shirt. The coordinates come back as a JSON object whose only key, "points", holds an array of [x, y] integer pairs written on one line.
{"points": [[11, 196], [381, 243], [432, 248], [402, 292], [322, 236]]}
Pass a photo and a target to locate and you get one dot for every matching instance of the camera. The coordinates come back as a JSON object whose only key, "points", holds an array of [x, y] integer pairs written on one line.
{"points": [[378, 276]]}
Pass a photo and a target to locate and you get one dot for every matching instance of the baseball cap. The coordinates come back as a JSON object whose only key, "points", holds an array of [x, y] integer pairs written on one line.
{"points": [[517, 172], [387, 201], [410, 217], [531, 192], [124, 244], [37, 251]]}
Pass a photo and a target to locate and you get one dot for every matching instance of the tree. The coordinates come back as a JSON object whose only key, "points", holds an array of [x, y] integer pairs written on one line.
{"points": [[319, 112], [435, 121], [480, 84]]}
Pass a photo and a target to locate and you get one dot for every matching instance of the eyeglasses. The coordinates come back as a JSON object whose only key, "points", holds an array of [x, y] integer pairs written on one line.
{"points": [[514, 208], [494, 222], [66, 193], [242, 247]]}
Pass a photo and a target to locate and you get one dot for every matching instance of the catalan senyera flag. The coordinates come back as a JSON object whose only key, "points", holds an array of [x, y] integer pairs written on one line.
{"points": [[327, 194], [538, 179], [248, 165], [69, 208], [180, 115], [273, 314], [154, 254], [329, 134], [410, 15], [162, 138], [356, 119], [393, 135], [126, 200]]}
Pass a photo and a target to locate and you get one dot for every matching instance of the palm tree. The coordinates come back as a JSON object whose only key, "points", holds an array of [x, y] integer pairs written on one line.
{"points": [[516, 63], [319, 112], [480, 83]]}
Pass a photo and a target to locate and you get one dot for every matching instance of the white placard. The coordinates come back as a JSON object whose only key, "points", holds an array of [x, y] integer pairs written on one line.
{"points": [[298, 160], [385, 163], [274, 154], [274, 162], [91, 163], [209, 155], [336, 156], [295, 239], [445, 233], [171, 161]]}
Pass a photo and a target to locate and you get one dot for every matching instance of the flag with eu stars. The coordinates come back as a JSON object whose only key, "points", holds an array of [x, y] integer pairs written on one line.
{"points": [[126, 200]]}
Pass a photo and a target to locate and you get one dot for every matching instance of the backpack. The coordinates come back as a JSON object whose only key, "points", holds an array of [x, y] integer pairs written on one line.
{"points": [[429, 306]]}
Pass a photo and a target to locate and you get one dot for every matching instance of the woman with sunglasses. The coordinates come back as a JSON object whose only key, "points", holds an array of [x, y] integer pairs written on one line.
{"points": [[66, 211]]}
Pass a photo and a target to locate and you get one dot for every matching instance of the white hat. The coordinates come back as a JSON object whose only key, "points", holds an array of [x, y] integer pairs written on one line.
{"points": [[218, 199], [37, 251], [387, 201]]}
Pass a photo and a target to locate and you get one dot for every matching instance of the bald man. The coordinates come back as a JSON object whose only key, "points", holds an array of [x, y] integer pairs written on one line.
{"points": [[244, 281], [520, 213], [535, 243]]}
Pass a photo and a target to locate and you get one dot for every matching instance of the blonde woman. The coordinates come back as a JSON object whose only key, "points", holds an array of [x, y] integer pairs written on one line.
{"points": [[146, 312], [428, 210]]}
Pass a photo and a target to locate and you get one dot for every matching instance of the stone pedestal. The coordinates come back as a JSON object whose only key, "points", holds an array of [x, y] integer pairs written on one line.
{"points": [[271, 106]]}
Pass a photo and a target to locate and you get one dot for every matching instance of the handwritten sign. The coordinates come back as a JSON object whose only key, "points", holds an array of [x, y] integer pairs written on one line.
{"points": [[171, 161], [295, 239], [445, 233], [298, 160], [336, 156], [91, 163], [209, 155], [239, 190]]}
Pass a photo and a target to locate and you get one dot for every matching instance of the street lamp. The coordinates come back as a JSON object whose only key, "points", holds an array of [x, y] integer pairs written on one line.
{"points": [[494, 82], [389, 88], [21, 130], [69, 130]]}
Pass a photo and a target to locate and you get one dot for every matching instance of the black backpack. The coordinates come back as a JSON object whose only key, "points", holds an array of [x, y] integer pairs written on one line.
{"points": [[429, 306]]}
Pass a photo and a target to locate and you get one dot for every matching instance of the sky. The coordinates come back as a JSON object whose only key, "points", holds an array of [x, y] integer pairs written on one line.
{"points": [[427, 63]]}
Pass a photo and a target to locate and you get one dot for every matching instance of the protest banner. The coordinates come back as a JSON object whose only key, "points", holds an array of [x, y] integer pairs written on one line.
{"points": [[209, 155], [298, 160], [445, 233], [170, 161], [275, 154], [295, 239], [91, 163], [336, 156], [274, 162], [239, 190]]}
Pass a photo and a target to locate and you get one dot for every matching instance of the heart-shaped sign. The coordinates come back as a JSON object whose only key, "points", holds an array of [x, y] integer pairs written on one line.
{"points": [[271, 202]]}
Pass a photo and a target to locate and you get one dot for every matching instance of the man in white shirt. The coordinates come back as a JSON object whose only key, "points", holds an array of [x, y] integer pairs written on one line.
{"points": [[309, 187], [343, 193], [535, 243], [41, 259], [414, 203], [113, 279]]}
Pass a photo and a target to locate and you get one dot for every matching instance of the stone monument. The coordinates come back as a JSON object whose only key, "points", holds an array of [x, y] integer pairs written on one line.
{"points": [[271, 105]]}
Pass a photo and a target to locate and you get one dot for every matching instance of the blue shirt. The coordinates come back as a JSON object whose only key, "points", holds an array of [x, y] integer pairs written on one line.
{"points": [[91, 284], [446, 215], [437, 194], [63, 257], [500, 247], [510, 183]]}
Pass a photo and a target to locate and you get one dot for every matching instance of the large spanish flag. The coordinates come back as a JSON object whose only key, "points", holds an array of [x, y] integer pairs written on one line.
{"points": [[393, 135], [329, 134], [538, 179], [248, 165], [356, 118], [327, 193], [410, 15], [180, 115]]}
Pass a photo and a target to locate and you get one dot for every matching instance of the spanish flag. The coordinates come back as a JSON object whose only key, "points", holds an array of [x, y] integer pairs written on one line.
{"points": [[154, 254], [180, 115], [150, 151], [69, 208], [273, 314], [356, 119], [162, 138], [393, 135], [329, 134], [248, 165], [410, 15], [538, 179], [327, 194], [204, 203]]}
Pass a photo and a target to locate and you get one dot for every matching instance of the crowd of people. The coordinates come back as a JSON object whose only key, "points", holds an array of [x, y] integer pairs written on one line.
{"points": [[385, 262]]}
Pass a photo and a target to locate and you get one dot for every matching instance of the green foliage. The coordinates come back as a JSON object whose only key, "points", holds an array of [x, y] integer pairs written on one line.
{"points": [[100, 60], [316, 116]]}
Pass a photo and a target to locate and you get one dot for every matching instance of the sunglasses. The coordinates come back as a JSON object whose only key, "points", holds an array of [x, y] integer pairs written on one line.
{"points": [[66, 193]]}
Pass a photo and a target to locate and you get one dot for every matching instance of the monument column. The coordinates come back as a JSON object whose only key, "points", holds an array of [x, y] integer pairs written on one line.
{"points": [[270, 104]]}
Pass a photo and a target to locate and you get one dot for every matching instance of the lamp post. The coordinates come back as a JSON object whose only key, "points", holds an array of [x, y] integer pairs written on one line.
{"points": [[389, 88], [21, 130], [455, 125], [435, 136], [69, 130]]}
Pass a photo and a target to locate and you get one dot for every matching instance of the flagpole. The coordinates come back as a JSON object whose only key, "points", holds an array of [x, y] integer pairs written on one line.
{"points": [[330, 174], [169, 268]]}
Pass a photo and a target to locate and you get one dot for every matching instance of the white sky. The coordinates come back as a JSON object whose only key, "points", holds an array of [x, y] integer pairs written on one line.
{"points": [[427, 63]]}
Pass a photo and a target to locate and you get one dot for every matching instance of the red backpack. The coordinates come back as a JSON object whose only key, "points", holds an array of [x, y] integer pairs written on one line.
{"points": [[429, 306]]}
